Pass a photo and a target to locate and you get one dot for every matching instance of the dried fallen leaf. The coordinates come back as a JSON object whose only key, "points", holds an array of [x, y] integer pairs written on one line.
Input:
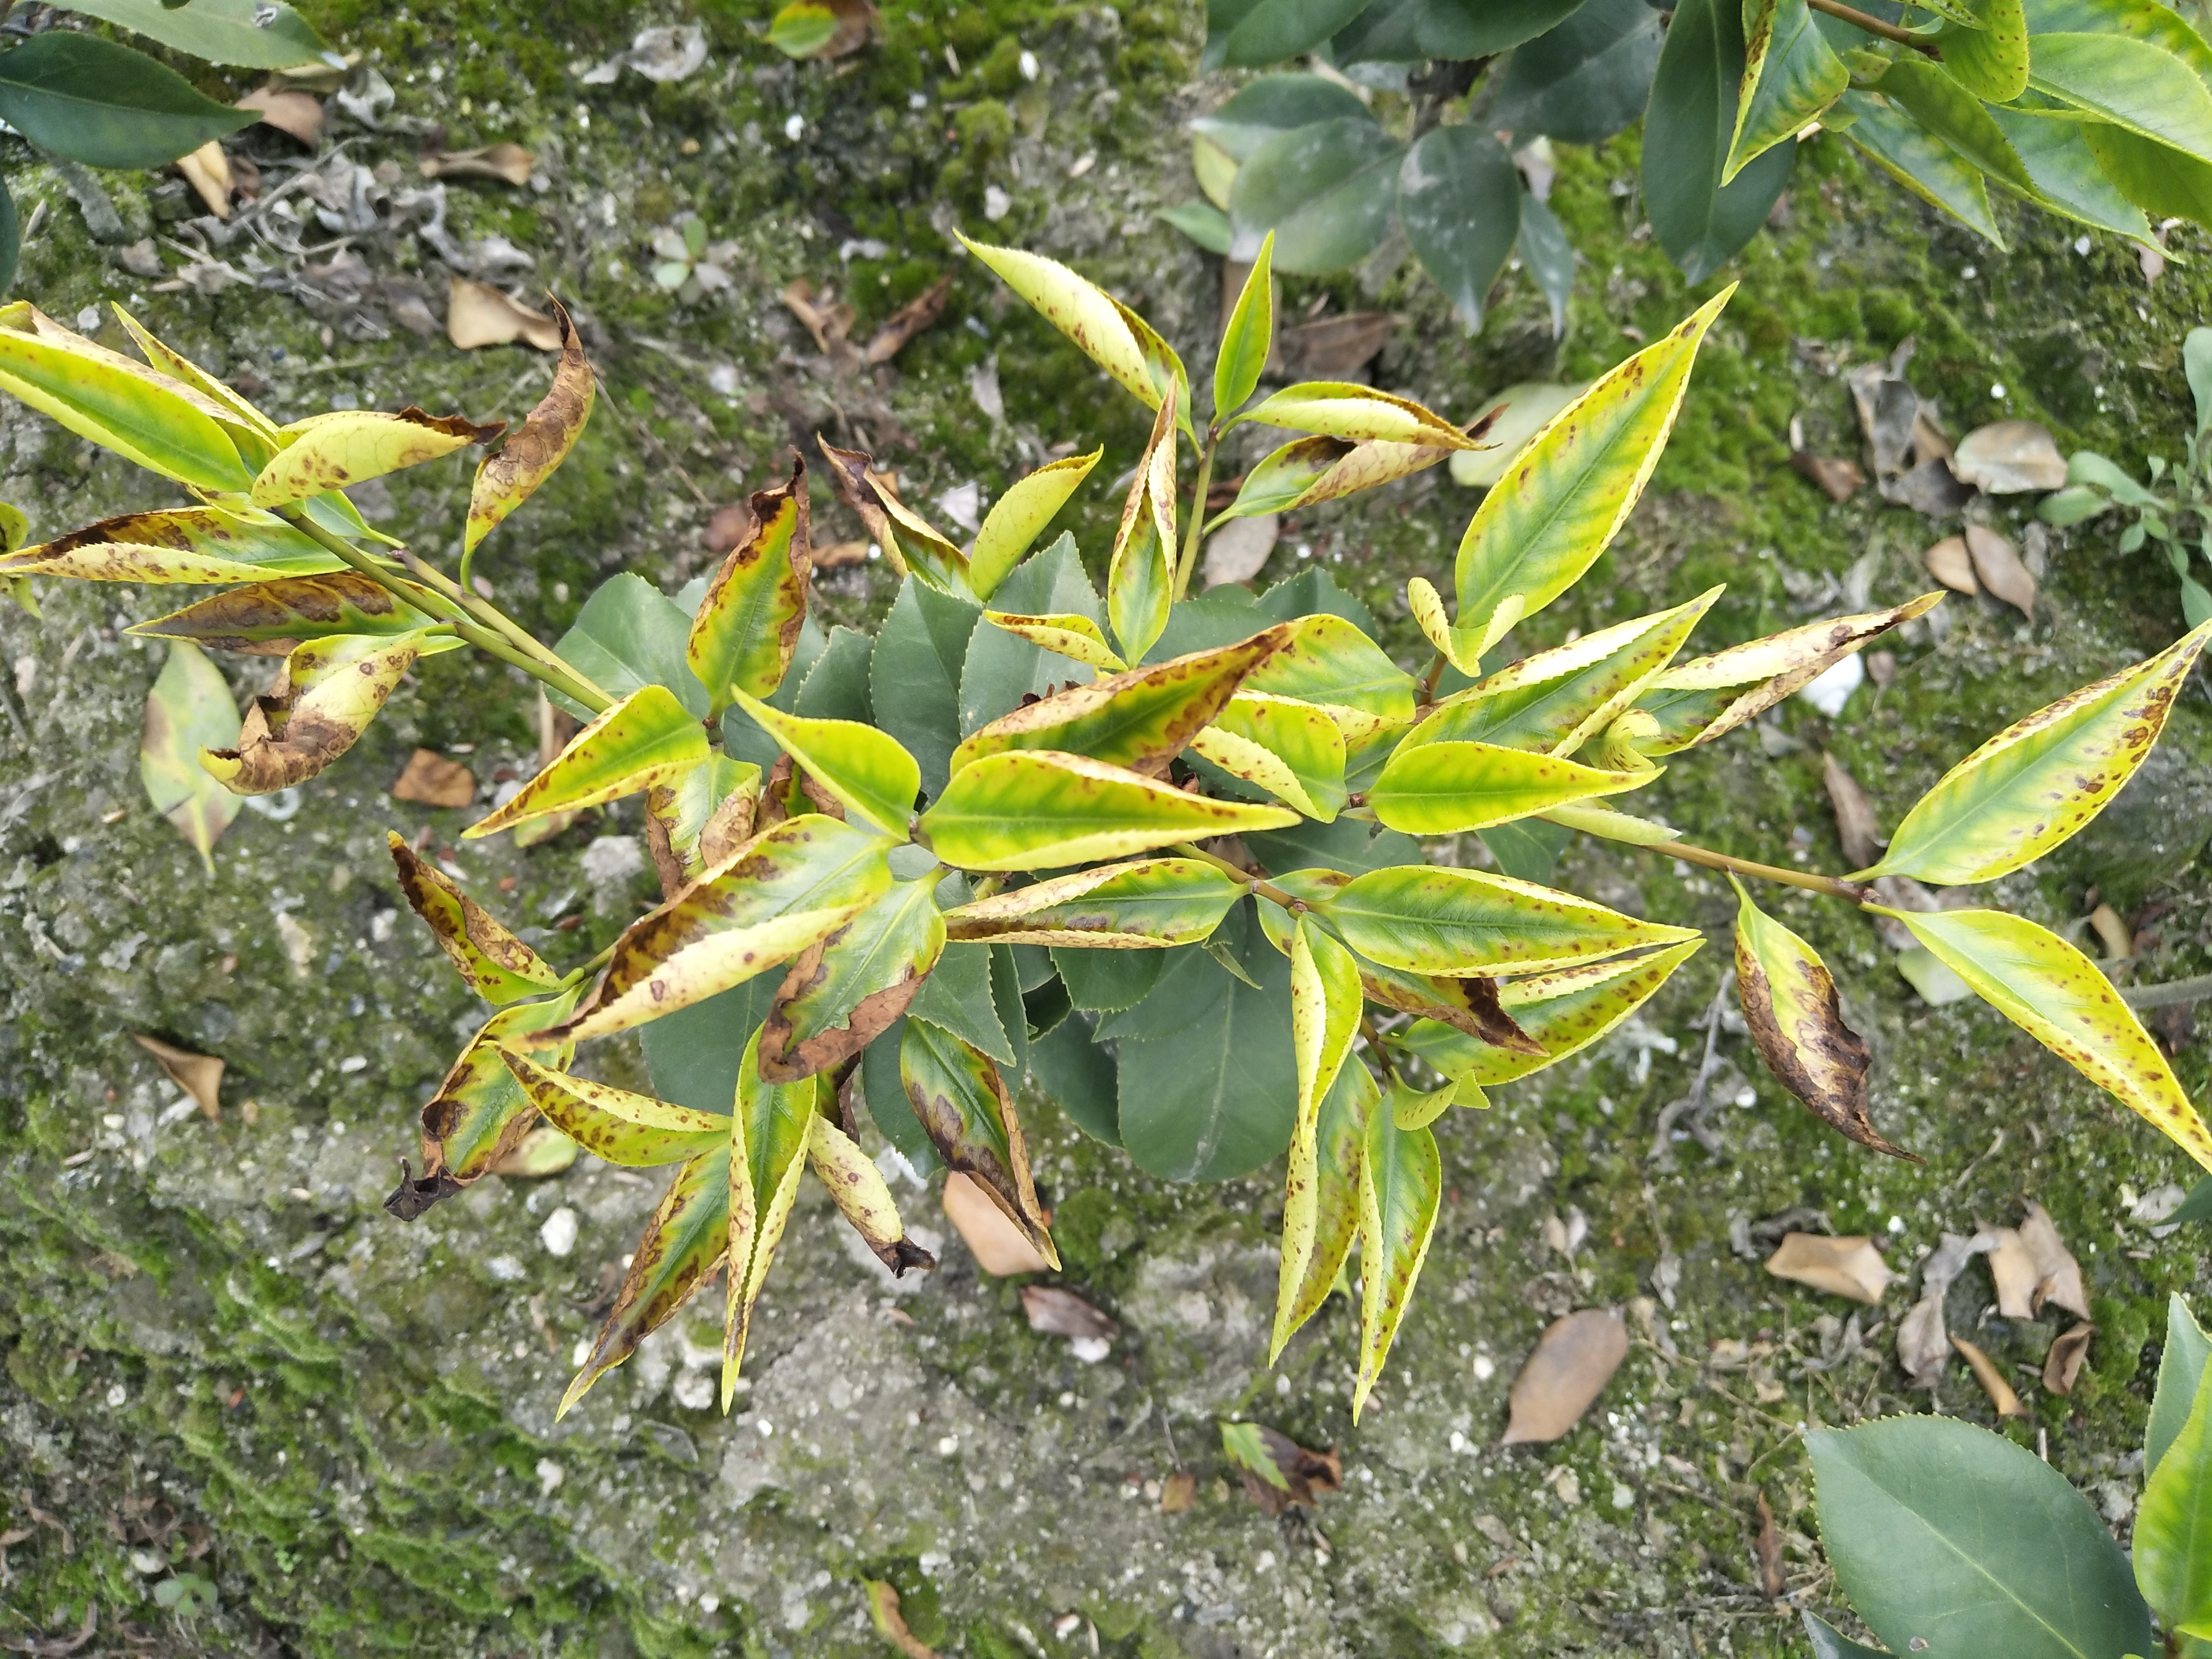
{"points": [[1929, 489], [838, 554], [1277, 1471], [1923, 1345], [827, 319], [902, 324], [2061, 1366], [1767, 1547], [2008, 458], [1055, 1312], [199, 1076], [1236, 552], [1178, 1492], [730, 525], [478, 315], [1996, 561], [890, 1623], [1000, 1248], [2058, 1275], [509, 161], [207, 170], [2014, 1273], [1849, 1266], [1856, 824], [431, 780], [1336, 347], [2111, 932], [1841, 479], [296, 114], [543, 1151], [1991, 1379], [1573, 1361], [1949, 564]]}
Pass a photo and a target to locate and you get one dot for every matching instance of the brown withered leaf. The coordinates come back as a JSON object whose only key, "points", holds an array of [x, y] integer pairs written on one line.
{"points": [[908, 321], [2058, 1275], [431, 780], [1000, 1248], [1840, 479], [207, 170], [1856, 827], [849, 472], [1470, 1005], [1052, 1311], [728, 827], [1929, 489], [493, 961], [1996, 561], [508, 477], [1178, 1492], [509, 161], [2009, 458], [1574, 1359], [1924, 1344], [730, 526], [2061, 1366], [199, 1076], [825, 316], [1991, 1379], [415, 1194], [478, 315], [840, 553], [1335, 348], [2013, 1270], [2111, 932], [874, 1015], [1949, 564], [856, 20], [326, 695], [890, 1623], [1767, 1548], [295, 113], [1278, 1472], [1849, 1266], [268, 619]]}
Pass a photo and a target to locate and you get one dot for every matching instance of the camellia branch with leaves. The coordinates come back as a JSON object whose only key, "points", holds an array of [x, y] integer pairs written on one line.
{"points": [[1159, 855]]}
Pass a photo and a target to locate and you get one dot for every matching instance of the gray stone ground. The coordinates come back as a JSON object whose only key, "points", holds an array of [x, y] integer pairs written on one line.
{"points": [[223, 1359]]}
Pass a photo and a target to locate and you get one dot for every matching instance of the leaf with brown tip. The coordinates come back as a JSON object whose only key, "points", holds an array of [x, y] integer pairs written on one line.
{"points": [[511, 474], [843, 991], [769, 1130], [479, 1113], [748, 623], [862, 1197], [498, 967], [352, 445]]}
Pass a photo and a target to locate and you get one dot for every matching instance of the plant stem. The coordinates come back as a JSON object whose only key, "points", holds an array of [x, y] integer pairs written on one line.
{"points": [[1434, 673], [1859, 19], [1375, 1048], [2171, 995], [577, 975], [1197, 512], [1833, 886], [1266, 890]]}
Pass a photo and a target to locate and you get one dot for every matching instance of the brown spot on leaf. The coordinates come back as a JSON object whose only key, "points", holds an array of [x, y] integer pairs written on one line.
{"points": [[1822, 1062]]}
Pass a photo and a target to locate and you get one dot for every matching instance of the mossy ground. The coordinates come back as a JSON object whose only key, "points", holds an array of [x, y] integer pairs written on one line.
{"points": [[222, 1355]]}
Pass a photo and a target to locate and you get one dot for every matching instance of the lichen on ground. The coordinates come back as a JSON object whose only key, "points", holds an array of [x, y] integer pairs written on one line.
{"points": [[223, 1358]]}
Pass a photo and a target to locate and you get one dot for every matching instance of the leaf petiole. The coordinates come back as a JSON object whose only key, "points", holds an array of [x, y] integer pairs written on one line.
{"points": [[1198, 524], [1834, 886], [1859, 19]]}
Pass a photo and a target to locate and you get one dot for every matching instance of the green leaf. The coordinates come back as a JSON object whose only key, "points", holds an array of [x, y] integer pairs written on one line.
{"points": [[1108, 982], [1140, 719], [915, 685], [480, 1114], [2172, 1537], [148, 419], [1248, 336], [1990, 56], [802, 28], [1547, 254], [1462, 922], [1141, 574], [2041, 779], [1006, 976], [1107, 331], [1250, 33], [265, 35], [1079, 1075], [1346, 845], [2052, 992], [2137, 85], [1442, 788], [495, 964], [682, 1245], [1401, 1190], [1292, 750], [1147, 903], [1920, 161], [1321, 1200], [1040, 810], [693, 1054], [959, 1098], [1567, 495], [648, 740], [1528, 849], [769, 1131], [1459, 200], [1405, 31], [836, 685], [1270, 105], [742, 638], [885, 1094], [2065, 175], [865, 770], [91, 101], [629, 635], [1829, 1644], [189, 709], [1583, 80], [1000, 670], [254, 432], [1701, 223], [1203, 222], [842, 992], [1017, 517], [1218, 1097], [1941, 106], [799, 881], [2181, 1366], [1952, 1542], [1328, 192], [11, 239], [958, 998], [634, 1130], [1790, 75]]}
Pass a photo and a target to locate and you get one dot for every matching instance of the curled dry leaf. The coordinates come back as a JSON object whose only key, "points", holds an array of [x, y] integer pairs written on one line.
{"points": [[477, 315], [1840, 479], [2009, 458], [1055, 1312], [431, 780], [863, 1197], [508, 478], [1949, 564], [509, 161], [890, 1623], [296, 114], [1178, 1492], [2013, 1268], [1000, 1248], [1922, 1343], [1766, 1549], [2111, 932], [1279, 1471], [207, 170], [1849, 1266], [325, 695], [1856, 827], [1574, 1359], [1991, 1379], [1996, 561], [199, 1076], [2061, 1366], [2058, 1275], [902, 324], [825, 316]]}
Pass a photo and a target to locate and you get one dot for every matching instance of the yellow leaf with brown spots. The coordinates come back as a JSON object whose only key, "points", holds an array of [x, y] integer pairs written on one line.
{"points": [[202, 545], [498, 967], [269, 618], [634, 1130], [863, 1197], [351, 446], [1401, 1181], [324, 697], [541, 443]]}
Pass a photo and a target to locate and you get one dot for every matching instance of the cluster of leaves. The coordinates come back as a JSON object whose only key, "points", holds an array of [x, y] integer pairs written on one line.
{"points": [[2175, 519], [1159, 854], [90, 100], [2100, 111], [1951, 1541]]}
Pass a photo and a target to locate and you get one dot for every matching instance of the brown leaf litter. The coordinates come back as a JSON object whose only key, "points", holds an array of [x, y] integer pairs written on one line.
{"points": [[199, 1076], [508, 161], [479, 315], [1000, 1248], [1851, 1265], [1280, 1474], [1856, 827], [431, 780], [1573, 1360]]}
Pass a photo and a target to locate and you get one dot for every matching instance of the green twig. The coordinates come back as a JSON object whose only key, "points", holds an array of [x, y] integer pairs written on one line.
{"points": [[1198, 526], [1266, 890], [1833, 886], [1859, 19]]}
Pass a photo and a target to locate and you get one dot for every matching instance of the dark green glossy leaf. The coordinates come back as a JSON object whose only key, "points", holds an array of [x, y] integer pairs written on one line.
{"points": [[883, 1089], [11, 241], [1079, 1075], [999, 668], [693, 1055], [1829, 1644], [963, 1101], [1347, 845], [1548, 257], [1952, 1542], [1528, 849], [265, 34], [1459, 200], [1920, 161], [1407, 31], [1108, 982], [1584, 79], [1203, 222], [956, 997], [914, 685], [1014, 1016], [1326, 191], [629, 635], [1185, 986], [837, 687], [1274, 104], [1251, 32], [1700, 223], [1313, 592], [93, 102]]}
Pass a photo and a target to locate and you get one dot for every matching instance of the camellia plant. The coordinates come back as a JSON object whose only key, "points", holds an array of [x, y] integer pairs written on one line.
{"points": [[2097, 111], [1161, 855]]}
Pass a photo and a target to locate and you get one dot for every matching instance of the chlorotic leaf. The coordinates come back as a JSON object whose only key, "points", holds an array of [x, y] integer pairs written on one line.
{"points": [[633, 1130], [867, 770], [535, 449], [1400, 1191], [188, 710], [1309, 470], [1441, 788], [479, 1113], [1147, 903], [1790, 74], [1017, 517], [352, 445], [863, 1197], [1069, 634], [1468, 922], [646, 740], [770, 1129], [1292, 750], [1141, 574], [1321, 1200], [963, 1105], [747, 625], [1325, 660], [1356, 414], [265, 34], [192, 545], [324, 697], [845, 990], [1248, 336], [497, 966]]}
